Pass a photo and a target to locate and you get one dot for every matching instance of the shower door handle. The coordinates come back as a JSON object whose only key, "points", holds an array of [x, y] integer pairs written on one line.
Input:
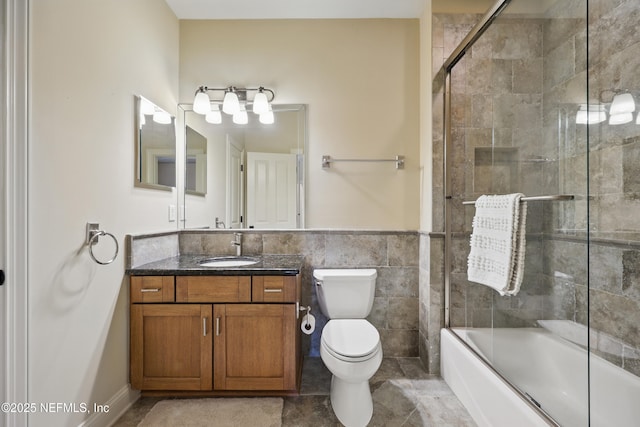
{"points": [[1, 277]]}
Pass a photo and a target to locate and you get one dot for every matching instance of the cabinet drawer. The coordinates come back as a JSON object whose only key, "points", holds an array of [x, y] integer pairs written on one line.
{"points": [[274, 289], [152, 289], [213, 288]]}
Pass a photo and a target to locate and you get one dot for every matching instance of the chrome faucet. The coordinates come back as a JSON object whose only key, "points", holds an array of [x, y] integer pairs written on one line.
{"points": [[237, 242]]}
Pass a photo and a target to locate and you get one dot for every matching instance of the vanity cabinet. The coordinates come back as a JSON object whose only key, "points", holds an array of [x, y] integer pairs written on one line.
{"points": [[215, 334]]}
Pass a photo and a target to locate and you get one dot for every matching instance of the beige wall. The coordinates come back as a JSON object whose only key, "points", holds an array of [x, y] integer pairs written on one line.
{"points": [[360, 79], [426, 127], [88, 59]]}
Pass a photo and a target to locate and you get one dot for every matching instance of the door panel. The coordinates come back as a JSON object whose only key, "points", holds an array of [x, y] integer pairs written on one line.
{"points": [[269, 331], [171, 346], [271, 190]]}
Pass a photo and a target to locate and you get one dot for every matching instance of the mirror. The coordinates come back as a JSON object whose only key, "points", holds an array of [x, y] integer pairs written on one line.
{"points": [[155, 146], [245, 176]]}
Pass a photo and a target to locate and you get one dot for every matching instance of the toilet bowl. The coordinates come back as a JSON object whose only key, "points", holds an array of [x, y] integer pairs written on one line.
{"points": [[349, 346]]}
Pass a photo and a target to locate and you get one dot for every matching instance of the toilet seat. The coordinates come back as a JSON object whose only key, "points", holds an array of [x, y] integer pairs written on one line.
{"points": [[351, 340]]}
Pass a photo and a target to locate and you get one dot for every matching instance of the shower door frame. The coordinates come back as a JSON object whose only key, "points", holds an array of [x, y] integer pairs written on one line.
{"points": [[453, 59]]}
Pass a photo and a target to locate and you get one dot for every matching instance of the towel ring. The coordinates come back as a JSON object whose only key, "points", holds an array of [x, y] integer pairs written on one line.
{"points": [[94, 239]]}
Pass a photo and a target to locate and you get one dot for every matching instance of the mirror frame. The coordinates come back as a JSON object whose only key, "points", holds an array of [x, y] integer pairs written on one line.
{"points": [[137, 179]]}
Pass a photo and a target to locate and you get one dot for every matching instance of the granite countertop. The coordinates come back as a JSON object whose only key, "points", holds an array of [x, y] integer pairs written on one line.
{"points": [[189, 265]]}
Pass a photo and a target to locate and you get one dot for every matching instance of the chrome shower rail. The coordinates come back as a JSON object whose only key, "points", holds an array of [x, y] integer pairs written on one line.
{"points": [[554, 197]]}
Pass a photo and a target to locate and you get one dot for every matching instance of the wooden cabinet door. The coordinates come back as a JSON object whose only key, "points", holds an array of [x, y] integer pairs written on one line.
{"points": [[254, 347], [171, 346]]}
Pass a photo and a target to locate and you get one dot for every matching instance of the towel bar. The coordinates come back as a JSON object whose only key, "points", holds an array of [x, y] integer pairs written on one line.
{"points": [[554, 197], [327, 160]]}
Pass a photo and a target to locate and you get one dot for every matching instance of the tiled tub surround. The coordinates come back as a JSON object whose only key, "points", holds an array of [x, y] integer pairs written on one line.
{"points": [[394, 254]]}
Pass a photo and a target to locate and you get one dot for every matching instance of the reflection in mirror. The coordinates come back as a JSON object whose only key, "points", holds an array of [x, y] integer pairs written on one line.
{"points": [[155, 146], [196, 163], [254, 176]]}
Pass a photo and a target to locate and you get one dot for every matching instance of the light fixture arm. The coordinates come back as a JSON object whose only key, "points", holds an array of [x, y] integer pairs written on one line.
{"points": [[240, 91]]}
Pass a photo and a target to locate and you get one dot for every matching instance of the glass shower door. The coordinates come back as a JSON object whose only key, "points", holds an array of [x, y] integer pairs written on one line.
{"points": [[514, 94]]}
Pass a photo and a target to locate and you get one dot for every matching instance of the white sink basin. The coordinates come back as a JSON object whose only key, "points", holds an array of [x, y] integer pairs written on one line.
{"points": [[229, 261]]}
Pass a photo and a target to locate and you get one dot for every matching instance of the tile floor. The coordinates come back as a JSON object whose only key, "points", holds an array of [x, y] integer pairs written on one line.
{"points": [[403, 395]]}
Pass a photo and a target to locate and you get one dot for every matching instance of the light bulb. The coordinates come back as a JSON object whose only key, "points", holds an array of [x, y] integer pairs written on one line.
{"points": [[240, 117], [267, 118], [620, 119], [230, 103], [146, 107], [214, 116], [591, 114], [162, 117], [201, 103], [622, 103], [260, 103]]}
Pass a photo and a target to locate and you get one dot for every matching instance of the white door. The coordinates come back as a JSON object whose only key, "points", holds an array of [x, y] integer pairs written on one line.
{"points": [[235, 184], [271, 190]]}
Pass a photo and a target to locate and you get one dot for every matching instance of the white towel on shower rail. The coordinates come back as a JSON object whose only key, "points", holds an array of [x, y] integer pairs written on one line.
{"points": [[496, 258]]}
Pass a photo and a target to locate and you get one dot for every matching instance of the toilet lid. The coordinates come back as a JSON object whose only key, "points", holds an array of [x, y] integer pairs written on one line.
{"points": [[350, 337]]}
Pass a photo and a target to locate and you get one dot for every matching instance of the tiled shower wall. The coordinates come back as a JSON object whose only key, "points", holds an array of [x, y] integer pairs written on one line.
{"points": [[614, 183], [535, 89], [393, 254]]}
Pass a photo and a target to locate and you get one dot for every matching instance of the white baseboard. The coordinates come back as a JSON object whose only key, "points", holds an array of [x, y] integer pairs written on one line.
{"points": [[118, 405]]}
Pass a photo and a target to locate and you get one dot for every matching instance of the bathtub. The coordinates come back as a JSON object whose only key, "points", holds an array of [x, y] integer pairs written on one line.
{"points": [[552, 371]]}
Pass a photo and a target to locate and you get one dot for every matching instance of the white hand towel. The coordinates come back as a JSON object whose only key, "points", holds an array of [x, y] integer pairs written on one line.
{"points": [[496, 258]]}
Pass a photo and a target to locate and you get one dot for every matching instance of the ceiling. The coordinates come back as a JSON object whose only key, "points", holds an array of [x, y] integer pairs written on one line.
{"points": [[296, 9]]}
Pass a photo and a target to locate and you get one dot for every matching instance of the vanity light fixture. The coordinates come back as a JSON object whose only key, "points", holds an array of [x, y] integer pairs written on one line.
{"points": [[621, 105], [622, 108], [147, 108], [591, 114], [234, 101]]}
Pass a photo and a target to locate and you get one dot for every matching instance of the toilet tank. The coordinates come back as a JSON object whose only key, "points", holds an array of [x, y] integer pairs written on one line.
{"points": [[345, 293]]}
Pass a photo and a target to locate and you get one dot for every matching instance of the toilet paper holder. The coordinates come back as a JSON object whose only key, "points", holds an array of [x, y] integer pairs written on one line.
{"points": [[308, 321]]}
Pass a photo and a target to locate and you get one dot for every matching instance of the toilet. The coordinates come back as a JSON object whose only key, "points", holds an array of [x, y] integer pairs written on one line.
{"points": [[350, 346]]}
